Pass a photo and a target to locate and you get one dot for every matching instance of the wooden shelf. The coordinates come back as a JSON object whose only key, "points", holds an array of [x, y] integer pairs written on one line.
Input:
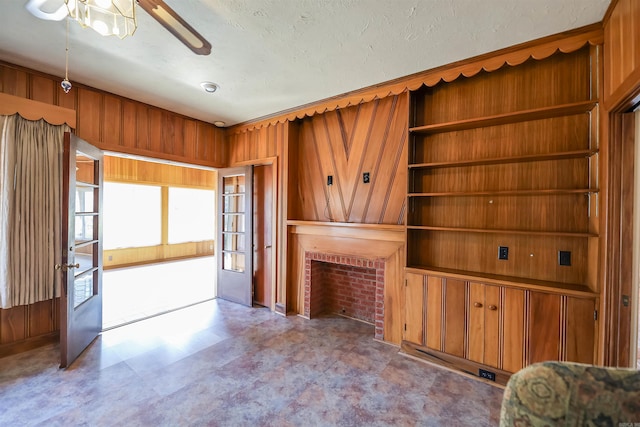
{"points": [[497, 231], [511, 159], [501, 119], [516, 282], [507, 193]]}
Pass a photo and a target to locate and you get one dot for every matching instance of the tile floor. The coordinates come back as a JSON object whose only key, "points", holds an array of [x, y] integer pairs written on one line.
{"points": [[219, 363], [134, 293]]}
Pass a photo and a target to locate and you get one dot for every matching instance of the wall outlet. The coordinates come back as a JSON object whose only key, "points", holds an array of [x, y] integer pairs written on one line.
{"points": [[366, 178], [487, 375], [564, 258], [330, 180], [503, 252]]}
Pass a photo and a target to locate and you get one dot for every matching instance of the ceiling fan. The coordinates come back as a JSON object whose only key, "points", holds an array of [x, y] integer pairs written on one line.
{"points": [[173, 22], [158, 10]]}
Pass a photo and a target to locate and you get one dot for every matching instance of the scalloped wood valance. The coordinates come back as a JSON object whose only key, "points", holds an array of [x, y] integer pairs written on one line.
{"points": [[35, 110], [538, 49]]}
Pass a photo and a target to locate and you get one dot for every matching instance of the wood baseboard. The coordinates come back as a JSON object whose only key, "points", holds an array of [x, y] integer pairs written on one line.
{"points": [[454, 363], [29, 344]]}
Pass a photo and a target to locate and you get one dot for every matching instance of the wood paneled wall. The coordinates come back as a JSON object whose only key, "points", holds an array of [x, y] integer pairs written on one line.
{"points": [[344, 144], [119, 124], [28, 326], [622, 51], [120, 169], [111, 123], [256, 144]]}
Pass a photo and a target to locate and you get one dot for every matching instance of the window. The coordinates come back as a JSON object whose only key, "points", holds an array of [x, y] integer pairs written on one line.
{"points": [[191, 215], [132, 215]]}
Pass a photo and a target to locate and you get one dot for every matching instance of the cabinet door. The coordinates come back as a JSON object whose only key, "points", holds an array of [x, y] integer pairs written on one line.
{"points": [[434, 312], [580, 330], [544, 327], [476, 322], [414, 309], [513, 331], [454, 317], [484, 324]]}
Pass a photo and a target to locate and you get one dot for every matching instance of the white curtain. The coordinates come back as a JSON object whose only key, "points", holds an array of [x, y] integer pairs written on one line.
{"points": [[30, 210]]}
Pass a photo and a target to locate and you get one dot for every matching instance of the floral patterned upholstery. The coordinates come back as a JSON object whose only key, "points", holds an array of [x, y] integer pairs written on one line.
{"points": [[572, 394]]}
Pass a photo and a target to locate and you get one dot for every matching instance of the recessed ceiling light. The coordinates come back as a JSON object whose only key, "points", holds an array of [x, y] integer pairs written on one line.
{"points": [[209, 87], [219, 123]]}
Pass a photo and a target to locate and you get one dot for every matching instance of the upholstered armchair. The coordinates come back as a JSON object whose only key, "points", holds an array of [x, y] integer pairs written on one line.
{"points": [[572, 394]]}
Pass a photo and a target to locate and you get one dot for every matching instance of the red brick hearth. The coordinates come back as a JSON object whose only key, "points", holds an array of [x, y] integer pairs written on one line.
{"points": [[346, 285]]}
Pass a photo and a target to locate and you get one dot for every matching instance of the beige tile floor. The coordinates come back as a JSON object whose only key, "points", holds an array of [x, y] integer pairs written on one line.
{"points": [[219, 363], [134, 293]]}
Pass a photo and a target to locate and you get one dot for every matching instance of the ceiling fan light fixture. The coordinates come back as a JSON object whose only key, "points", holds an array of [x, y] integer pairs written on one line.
{"points": [[209, 87], [107, 17]]}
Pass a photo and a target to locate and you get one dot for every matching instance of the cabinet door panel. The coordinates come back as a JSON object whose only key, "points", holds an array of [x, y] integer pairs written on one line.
{"points": [[434, 313], [414, 309], [580, 336], [454, 323], [544, 327], [476, 322], [492, 325], [513, 330]]}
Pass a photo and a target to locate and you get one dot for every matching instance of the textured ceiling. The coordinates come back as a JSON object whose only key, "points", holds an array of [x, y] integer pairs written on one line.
{"points": [[273, 55]]}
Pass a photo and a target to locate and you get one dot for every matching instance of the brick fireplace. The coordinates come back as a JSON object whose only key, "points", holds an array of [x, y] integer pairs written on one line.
{"points": [[346, 285]]}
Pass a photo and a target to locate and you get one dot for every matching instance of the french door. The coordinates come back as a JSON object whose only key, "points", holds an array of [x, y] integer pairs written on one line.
{"points": [[234, 237], [81, 300]]}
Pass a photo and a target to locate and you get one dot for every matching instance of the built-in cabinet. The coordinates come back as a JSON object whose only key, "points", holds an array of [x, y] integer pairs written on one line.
{"points": [[500, 328], [503, 214]]}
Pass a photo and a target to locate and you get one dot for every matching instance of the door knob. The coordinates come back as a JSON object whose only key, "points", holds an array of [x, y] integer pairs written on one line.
{"points": [[267, 246], [65, 267]]}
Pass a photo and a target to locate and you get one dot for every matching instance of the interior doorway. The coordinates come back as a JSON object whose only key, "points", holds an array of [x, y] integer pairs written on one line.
{"points": [[159, 234], [263, 215]]}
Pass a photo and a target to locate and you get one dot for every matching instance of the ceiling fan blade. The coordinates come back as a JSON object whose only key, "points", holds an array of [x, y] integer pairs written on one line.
{"points": [[173, 22]]}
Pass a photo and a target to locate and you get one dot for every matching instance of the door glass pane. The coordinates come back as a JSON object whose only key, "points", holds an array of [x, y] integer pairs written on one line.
{"points": [[84, 228], [84, 257], [233, 222], [84, 199], [233, 242], [85, 168], [83, 288], [233, 203], [233, 184], [233, 261]]}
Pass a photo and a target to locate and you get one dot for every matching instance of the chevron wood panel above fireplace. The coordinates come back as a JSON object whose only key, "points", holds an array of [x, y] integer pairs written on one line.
{"points": [[344, 144]]}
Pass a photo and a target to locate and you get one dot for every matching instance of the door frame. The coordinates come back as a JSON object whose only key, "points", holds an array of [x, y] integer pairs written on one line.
{"points": [[618, 260], [275, 233]]}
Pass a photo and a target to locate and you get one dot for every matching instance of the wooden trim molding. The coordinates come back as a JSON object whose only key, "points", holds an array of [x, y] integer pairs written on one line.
{"points": [[35, 110], [566, 42]]}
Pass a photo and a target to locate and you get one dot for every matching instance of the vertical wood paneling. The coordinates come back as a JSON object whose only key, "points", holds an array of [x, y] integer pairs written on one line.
{"points": [[13, 324], [454, 316], [111, 117], [414, 308], [129, 128], [622, 50], [14, 82], [370, 137], [580, 337], [434, 313], [90, 104], [513, 330], [42, 89], [158, 122], [544, 327], [142, 127]]}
